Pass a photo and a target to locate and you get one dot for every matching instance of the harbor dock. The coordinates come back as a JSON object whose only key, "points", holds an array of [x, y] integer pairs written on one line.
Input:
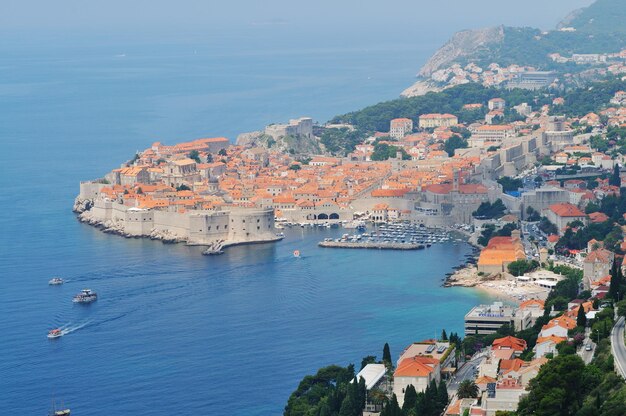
{"points": [[381, 245]]}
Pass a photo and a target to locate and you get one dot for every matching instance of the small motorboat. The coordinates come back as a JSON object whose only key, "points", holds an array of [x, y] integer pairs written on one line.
{"points": [[296, 253], [55, 281], [85, 296], [59, 412], [55, 333]]}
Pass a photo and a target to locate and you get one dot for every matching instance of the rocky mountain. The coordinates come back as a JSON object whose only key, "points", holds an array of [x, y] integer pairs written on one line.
{"points": [[603, 16], [463, 44], [598, 28]]}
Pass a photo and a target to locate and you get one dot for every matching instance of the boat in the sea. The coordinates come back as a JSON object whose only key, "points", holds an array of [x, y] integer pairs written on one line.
{"points": [[355, 224], [296, 253], [58, 412], [85, 296], [55, 333], [55, 281]]}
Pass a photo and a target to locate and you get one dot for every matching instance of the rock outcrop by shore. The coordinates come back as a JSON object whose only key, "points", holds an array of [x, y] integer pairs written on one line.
{"points": [[117, 228], [81, 205], [422, 87]]}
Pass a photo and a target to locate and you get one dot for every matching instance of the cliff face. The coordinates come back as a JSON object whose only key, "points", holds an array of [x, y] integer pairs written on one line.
{"points": [[465, 43]]}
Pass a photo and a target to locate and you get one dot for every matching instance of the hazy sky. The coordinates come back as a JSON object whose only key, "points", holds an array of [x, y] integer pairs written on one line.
{"points": [[353, 16]]}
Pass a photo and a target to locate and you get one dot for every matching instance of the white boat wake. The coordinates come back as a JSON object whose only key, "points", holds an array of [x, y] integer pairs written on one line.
{"points": [[70, 327]]}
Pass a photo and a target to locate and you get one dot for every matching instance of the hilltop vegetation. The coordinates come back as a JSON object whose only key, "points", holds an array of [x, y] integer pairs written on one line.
{"points": [[376, 117], [602, 17], [599, 29], [578, 102], [530, 46]]}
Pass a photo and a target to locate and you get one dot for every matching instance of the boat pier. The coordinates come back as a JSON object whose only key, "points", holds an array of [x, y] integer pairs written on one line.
{"points": [[381, 245]]}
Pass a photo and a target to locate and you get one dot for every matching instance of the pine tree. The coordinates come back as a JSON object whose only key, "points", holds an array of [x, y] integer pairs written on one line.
{"points": [[442, 395], [410, 399], [351, 403], [362, 393], [444, 336], [420, 404], [581, 319], [616, 281], [615, 179], [324, 409], [392, 408], [387, 355], [620, 281]]}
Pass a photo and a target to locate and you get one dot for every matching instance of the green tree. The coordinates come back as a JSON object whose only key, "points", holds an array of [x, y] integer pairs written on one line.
{"points": [[467, 389], [621, 308], [547, 227], [616, 282], [387, 355], [532, 215], [615, 178], [520, 267], [581, 318], [370, 359], [557, 389], [410, 399], [442, 395], [183, 187], [453, 143], [487, 210], [222, 152], [295, 167], [195, 155], [509, 184], [444, 335], [384, 151], [392, 408]]}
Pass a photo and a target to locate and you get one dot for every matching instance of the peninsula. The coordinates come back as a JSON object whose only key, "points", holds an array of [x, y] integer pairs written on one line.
{"points": [[518, 138]]}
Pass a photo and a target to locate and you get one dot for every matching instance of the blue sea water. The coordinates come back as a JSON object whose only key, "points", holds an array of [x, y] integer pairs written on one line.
{"points": [[175, 332]]}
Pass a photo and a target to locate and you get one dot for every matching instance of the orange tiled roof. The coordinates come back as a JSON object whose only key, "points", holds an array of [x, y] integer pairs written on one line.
{"points": [[416, 367], [566, 210], [509, 342]]}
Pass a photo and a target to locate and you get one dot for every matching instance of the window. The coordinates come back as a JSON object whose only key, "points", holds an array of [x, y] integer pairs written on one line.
{"points": [[258, 227]]}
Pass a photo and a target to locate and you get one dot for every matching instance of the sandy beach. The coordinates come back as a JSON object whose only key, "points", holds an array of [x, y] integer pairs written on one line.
{"points": [[502, 285]]}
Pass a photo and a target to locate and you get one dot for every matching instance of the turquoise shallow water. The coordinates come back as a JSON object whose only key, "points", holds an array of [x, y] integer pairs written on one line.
{"points": [[175, 332]]}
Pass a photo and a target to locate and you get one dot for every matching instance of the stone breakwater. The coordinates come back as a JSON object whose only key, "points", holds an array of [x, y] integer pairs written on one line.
{"points": [[379, 246]]}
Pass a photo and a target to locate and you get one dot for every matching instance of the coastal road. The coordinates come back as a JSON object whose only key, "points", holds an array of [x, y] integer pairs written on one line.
{"points": [[618, 348]]}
